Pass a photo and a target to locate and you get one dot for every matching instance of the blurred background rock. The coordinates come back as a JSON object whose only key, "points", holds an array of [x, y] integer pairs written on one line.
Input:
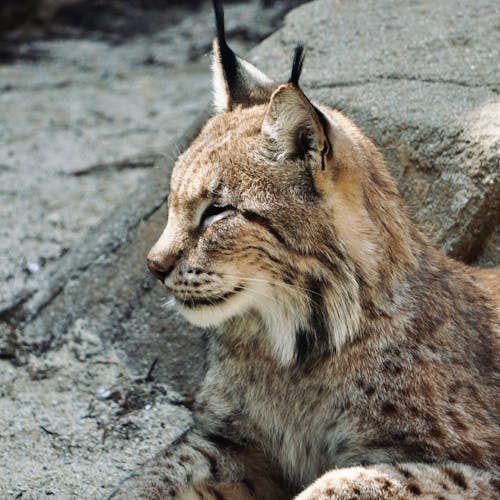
{"points": [[113, 19]]}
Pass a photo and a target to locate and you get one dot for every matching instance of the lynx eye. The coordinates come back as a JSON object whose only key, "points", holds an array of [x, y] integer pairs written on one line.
{"points": [[213, 213]]}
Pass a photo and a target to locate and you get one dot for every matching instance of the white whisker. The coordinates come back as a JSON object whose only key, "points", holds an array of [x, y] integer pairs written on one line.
{"points": [[269, 282], [169, 303], [277, 283]]}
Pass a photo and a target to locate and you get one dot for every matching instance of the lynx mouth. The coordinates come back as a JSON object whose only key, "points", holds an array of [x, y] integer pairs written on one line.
{"points": [[214, 300]]}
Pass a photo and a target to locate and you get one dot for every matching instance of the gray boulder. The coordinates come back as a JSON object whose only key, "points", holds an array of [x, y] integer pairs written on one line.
{"points": [[421, 79]]}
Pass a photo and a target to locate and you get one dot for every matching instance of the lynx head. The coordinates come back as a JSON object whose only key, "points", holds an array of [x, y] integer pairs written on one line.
{"points": [[274, 215]]}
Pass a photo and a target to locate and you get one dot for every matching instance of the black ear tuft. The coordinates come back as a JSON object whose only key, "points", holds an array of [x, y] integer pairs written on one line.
{"points": [[298, 62], [219, 22], [228, 57]]}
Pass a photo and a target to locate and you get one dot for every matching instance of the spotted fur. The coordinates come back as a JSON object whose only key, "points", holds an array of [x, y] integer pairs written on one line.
{"points": [[348, 357]]}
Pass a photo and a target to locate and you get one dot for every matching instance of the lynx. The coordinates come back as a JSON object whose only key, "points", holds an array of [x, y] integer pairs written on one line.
{"points": [[348, 357]]}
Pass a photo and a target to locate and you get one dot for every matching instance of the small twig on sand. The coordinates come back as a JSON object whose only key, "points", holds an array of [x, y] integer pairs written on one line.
{"points": [[149, 377], [50, 433], [105, 429]]}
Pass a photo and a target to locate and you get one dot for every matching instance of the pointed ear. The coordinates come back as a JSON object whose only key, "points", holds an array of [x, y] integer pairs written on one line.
{"points": [[293, 126], [235, 81]]}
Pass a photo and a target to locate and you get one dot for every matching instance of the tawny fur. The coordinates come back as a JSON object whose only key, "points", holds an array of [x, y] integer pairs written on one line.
{"points": [[349, 357]]}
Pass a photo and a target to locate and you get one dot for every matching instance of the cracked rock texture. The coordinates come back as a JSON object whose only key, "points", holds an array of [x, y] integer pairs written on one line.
{"points": [[422, 80], [89, 132]]}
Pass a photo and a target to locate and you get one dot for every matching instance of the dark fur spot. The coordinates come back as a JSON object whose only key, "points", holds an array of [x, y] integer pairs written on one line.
{"points": [[495, 483], [436, 432], [187, 459], [365, 386], [249, 485], [224, 443], [313, 341], [342, 446], [389, 408], [392, 367], [456, 476], [455, 387], [331, 425], [405, 473], [470, 454], [414, 488], [414, 450], [385, 483], [399, 435], [392, 350], [413, 410], [456, 421], [304, 345]]}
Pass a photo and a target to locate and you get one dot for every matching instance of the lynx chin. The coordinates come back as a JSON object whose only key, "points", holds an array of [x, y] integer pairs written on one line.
{"points": [[348, 357]]}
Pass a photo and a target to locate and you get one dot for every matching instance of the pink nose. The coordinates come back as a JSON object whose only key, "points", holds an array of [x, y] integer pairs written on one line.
{"points": [[161, 267]]}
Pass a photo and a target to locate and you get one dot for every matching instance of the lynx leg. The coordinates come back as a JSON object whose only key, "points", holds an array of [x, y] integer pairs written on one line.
{"points": [[197, 467], [405, 481]]}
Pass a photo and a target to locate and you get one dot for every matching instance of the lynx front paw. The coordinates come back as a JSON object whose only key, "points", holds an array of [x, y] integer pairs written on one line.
{"points": [[354, 483]]}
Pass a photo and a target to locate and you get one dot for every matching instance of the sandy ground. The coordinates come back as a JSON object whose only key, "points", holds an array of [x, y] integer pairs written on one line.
{"points": [[76, 421]]}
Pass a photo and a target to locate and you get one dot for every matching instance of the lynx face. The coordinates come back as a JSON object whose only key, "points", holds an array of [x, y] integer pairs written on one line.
{"points": [[268, 216], [240, 229]]}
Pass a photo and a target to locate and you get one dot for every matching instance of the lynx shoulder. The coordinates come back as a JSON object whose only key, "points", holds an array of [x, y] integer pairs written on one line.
{"points": [[348, 357]]}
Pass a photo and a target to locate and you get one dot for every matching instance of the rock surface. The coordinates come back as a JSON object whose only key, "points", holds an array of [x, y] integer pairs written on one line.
{"points": [[420, 78]]}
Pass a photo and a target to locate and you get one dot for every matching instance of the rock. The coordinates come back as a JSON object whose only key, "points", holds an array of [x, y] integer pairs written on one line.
{"points": [[421, 79]]}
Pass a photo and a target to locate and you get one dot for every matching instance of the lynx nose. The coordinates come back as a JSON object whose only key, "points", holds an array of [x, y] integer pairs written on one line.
{"points": [[160, 268]]}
